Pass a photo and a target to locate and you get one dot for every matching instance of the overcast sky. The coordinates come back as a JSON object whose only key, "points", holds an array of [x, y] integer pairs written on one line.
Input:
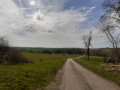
{"points": [[50, 23]]}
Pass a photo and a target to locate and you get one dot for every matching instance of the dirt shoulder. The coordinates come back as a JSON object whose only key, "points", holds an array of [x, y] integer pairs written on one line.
{"points": [[58, 80]]}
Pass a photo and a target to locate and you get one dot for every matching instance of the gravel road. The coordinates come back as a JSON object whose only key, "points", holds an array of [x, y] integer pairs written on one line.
{"points": [[76, 77]]}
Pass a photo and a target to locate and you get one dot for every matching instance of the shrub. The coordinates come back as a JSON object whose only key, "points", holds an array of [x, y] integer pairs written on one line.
{"points": [[9, 55]]}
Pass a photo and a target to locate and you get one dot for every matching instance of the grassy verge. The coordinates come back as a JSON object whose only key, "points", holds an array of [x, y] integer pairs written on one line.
{"points": [[30, 76], [96, 65]]}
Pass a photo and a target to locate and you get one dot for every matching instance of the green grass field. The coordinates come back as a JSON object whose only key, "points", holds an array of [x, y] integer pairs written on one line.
{"points": [[95, 64], [30, 76]]}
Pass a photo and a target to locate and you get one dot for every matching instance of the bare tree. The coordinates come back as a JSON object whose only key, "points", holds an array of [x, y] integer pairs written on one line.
{"points": [[110, 24], [113, 37], [87, 42]]}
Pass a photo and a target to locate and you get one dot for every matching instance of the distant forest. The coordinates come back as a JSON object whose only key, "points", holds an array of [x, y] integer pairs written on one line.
{"points": [[82, 51]]}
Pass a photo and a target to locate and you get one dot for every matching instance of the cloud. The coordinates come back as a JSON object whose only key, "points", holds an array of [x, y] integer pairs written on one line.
{"points": [[44, 24], [32, 3]]}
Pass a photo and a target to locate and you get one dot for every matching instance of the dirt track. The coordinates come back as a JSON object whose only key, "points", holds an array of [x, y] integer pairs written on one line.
{"points": [[75, 77]]}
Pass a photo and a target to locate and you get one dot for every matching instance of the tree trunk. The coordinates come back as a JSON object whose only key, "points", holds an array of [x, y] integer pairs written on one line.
{"points": [[88, 52]]}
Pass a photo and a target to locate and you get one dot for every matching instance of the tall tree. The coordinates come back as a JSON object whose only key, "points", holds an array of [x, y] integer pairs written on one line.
{"points": [[87, 42], [109, 24], [113, 36]]}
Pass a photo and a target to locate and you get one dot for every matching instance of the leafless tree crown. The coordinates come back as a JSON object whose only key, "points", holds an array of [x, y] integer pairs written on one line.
{"points": [[109, 24]]}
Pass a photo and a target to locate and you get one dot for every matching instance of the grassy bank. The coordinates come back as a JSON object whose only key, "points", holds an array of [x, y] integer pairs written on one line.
{"points": [[95, 64], [31, 75]]}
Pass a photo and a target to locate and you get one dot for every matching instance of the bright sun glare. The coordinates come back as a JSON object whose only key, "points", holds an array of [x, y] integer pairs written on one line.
{"points": [[32, 3]]}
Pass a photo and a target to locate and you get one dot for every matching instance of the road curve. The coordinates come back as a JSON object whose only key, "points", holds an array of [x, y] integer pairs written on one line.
{"points": [[76, 77]]}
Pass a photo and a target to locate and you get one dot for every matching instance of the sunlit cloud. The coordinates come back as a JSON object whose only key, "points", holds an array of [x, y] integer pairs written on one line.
{"points": [[32, 3]]}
